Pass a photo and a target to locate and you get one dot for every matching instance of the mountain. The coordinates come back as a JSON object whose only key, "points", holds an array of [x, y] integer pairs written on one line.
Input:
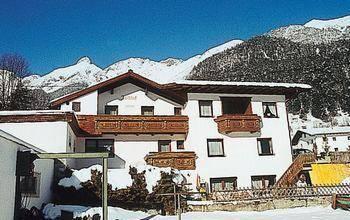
{"points": [[291, 58], [315, 31], [85, 73]]}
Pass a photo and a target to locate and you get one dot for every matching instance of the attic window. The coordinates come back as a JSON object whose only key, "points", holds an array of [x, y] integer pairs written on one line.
{"points": [[147, 110], [76, 106]]}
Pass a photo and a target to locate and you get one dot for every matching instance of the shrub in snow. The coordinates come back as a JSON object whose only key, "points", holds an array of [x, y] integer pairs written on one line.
{"points": [[139, 189]]}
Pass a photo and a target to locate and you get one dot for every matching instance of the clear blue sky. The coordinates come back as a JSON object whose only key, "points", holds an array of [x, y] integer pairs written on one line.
{"points": [[51, 34]]}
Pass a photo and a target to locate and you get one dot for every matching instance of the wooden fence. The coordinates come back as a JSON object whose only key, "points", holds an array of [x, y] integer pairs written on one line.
{"points": [[340, 157], [243, 194]]}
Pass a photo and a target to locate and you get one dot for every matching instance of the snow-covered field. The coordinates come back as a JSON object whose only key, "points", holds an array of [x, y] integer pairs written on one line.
{"points": [[306, 213]]}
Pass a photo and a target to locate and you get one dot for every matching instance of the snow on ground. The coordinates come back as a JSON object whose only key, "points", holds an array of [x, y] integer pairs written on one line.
{"points": [[120, 178], [306, 213], [52, 211]]}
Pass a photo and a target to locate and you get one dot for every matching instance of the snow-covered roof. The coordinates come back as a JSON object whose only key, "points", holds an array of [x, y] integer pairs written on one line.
{"points": [[329, 130], [34, 112], [230, 83]]}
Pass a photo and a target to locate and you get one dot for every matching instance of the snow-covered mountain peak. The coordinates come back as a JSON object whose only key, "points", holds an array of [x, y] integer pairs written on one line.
{"points": [[84, 60], [84, 72], [338, 23], [315, 31], [171, 61]]}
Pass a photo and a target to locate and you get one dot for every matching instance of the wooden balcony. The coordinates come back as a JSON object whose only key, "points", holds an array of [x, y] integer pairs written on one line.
{"points": [[178, 160], [133, 124], [238, 123]]}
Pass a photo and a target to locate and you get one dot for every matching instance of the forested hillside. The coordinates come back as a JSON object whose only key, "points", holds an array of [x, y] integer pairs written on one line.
{"points": [[267, 59]]}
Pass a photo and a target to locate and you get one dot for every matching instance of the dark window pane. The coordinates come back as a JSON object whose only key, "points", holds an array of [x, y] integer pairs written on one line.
{"points": [[147, 110], [180, 145], [270, 110], [76, 106], [236, 105], [164, 146], [99, 145], [177, 111], [265, 146], [111, 109]]}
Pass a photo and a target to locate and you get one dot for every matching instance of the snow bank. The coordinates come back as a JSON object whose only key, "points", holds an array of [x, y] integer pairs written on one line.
{"points": [[346, 181], [120, 178], [52, 211]]}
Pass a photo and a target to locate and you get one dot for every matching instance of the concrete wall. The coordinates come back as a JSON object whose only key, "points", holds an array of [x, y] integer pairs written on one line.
{"points": [[8, 154]]}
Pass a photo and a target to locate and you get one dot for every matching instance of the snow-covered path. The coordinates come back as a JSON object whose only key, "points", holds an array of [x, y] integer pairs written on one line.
{"points": [[305, 213], [309, 213]]}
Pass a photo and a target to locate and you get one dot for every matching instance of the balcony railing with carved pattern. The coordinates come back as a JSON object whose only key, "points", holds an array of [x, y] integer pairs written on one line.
{"points": [[133, 124], [238, 123], [178, 160]]}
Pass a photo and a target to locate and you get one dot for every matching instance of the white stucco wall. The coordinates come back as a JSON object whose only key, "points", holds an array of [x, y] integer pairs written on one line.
{"points": [[241, 153], [130, 98], [48, 136], [88, 104], [8, 155]]}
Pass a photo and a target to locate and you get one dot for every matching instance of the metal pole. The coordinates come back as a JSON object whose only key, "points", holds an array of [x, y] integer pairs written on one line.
{"points": [[174, 199], [104, 189], [179, 207]]}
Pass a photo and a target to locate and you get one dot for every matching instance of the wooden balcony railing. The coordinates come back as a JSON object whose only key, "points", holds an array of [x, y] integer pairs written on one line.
{"points": [[178, 160], [133, 124], [238, 123]]}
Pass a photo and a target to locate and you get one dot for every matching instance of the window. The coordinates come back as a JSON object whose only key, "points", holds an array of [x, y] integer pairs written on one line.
{"points": [[336, 149], [223, 184], [177, 111], [265, 146], [180, 145], [111, 109], [147, 110], [270, 110], [348, 137], [76, 106], [164, 146], [99, 145], [259, 182], [236, 105], [215, 147], [205, 108], [334, 138], [30, 185]]}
